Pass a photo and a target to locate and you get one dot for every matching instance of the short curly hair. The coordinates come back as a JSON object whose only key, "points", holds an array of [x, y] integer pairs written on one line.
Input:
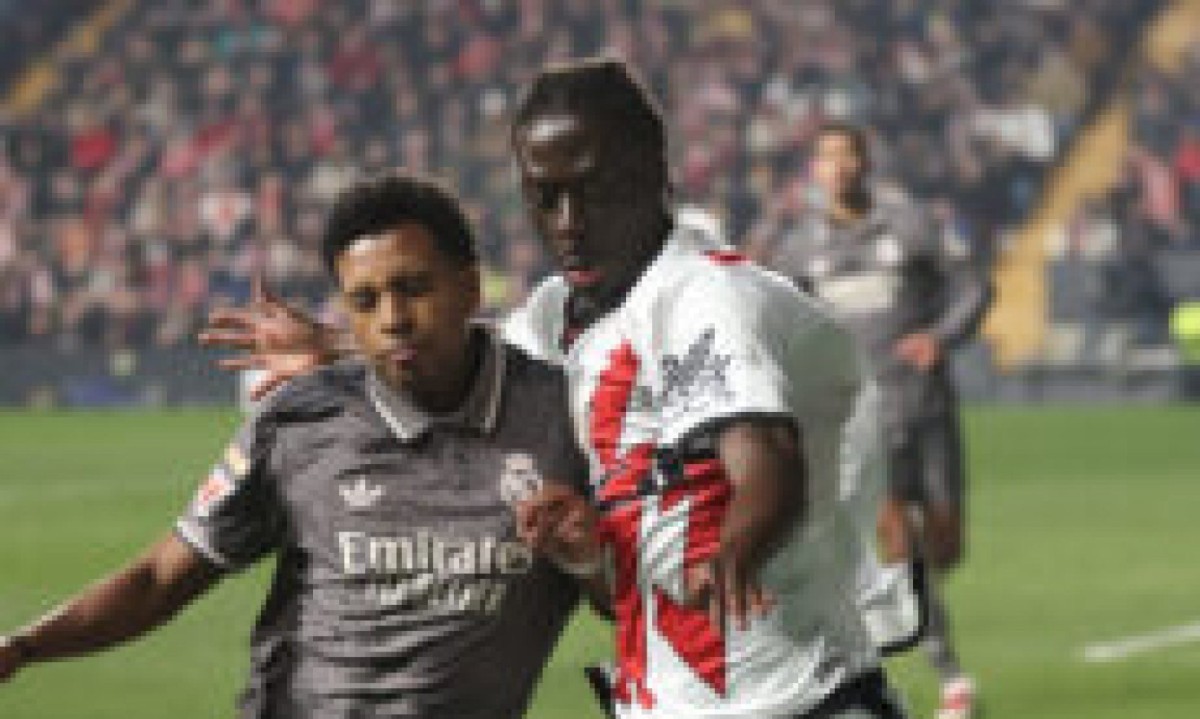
{"points": [[378, 204], [607, 90]]}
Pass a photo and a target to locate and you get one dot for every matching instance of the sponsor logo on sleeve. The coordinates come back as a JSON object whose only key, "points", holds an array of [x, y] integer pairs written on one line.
{"points": [[696, 379], [691, 382]]}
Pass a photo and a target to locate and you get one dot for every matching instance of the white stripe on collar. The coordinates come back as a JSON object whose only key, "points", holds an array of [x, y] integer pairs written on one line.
{"points": [[480, 410]]}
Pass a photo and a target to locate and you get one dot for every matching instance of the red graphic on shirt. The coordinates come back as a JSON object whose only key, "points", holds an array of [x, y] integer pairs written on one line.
{"points": [[687, 629], [726, 257]]}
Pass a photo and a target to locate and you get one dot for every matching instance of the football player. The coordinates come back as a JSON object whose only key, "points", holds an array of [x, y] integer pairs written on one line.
{"points": [[910, 293], [386, 486]]}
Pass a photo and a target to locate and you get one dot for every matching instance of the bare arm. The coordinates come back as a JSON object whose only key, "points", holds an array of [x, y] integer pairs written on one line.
{"points": [[763, 461], [122, 606], [765, 465], [972, 296], [969, 292]]}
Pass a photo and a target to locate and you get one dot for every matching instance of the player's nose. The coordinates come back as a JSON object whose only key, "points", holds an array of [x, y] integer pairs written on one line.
{"points": [[394, 317], [566, 221]]}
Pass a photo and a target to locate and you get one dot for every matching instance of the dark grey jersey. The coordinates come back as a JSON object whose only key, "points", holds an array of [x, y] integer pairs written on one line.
{"points": [[887, 275], [401, 589]]}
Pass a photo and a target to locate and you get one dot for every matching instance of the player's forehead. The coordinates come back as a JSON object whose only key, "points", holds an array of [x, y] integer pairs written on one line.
{"points": [[407, 249], [558, 145]]}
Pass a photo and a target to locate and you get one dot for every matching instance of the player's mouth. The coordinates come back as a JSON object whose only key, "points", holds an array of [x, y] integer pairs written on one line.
{"points": [[402, 357], [580, 274]]}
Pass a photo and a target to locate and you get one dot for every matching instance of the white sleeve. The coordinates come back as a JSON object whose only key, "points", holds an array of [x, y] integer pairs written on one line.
{"points": [[535, 325], [235, 517], [716, 359], [517, 330], [739, 344]]}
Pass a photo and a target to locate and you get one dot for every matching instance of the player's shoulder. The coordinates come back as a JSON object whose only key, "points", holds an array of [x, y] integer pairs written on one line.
{"points": [[531, 326], [530, 374], [320, 393], [724, 279], [533, 391]]}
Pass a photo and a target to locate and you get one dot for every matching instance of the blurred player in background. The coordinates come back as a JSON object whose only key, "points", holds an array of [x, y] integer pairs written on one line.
{"points": [[386, 486], [909, 293]]}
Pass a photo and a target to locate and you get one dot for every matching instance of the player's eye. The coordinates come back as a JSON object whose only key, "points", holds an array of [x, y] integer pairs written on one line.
{"points": [[413, 286], [545, 195], [362, 300]]}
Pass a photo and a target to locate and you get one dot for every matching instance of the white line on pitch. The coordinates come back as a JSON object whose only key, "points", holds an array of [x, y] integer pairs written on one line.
{"points": [[1141, 643]]}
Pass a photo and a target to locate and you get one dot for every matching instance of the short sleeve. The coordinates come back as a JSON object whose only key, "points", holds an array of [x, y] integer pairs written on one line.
{"points": [[235, 518], [718, 358], [536, 325], [746, 344]]}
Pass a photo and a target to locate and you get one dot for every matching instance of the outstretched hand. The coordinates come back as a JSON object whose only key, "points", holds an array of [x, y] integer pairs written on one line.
{"points": [[560, 524], [273, 337]]}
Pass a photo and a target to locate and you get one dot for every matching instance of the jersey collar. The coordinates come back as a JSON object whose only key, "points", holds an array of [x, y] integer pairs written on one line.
{"points": [[478, 412], [694, 233]]}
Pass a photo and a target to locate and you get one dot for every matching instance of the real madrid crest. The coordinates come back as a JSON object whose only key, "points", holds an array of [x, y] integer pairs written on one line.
{"points": [[820, 266], [519, 478], [888, 250]]}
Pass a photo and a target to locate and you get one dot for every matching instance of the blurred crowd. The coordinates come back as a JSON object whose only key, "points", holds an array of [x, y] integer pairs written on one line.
{"points": [[1143, 233], [204, 140], [26, 35]]}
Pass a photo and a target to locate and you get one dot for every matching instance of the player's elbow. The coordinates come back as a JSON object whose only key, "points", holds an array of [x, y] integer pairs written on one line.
{"points": [[170, 574]]}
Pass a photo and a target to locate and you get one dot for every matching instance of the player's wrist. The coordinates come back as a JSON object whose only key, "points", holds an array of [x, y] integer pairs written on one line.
{"points": [[23, 649], [592, 566]]}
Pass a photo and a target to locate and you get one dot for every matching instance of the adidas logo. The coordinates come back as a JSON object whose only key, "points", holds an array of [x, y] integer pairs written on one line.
{"points": [[360, 495]]}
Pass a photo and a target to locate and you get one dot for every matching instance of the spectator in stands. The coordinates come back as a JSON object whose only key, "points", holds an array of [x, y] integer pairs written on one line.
{"points": [[215, 132]]}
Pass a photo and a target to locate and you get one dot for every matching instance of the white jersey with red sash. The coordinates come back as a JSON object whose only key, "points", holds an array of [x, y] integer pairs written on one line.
{"points": [[705, 337]]}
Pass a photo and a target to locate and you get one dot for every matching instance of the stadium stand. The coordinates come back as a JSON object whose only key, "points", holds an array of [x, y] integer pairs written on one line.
{"points": [[202, 140], [25, 35], [1132, 253]]}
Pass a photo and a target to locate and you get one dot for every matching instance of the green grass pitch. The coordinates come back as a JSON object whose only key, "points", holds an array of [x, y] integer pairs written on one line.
{"points": [[1082, 528]]}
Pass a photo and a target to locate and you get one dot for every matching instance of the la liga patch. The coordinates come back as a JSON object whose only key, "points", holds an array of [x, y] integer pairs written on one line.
{"points": [[216, 487], [236, 461]]}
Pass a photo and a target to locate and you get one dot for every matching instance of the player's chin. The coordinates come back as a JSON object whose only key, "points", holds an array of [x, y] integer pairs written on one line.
{"points": [[607, 289], [400, 377]]}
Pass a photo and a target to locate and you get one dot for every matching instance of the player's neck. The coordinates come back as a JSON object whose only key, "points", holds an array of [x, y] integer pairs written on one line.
{"points": [[584, 309], [451, 393], [851, 206]]}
